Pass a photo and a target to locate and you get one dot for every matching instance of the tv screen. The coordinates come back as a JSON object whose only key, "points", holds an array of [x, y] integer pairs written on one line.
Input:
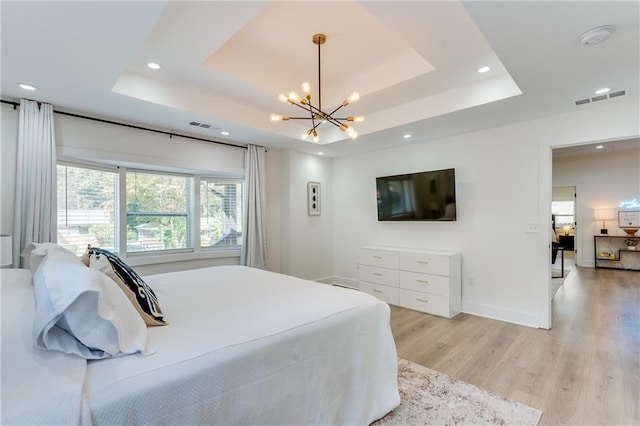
{"points": [[420, 196]]}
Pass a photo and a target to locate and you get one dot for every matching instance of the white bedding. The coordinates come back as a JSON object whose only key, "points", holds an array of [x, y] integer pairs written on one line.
{"points": [[38, 387], [245, 346]]}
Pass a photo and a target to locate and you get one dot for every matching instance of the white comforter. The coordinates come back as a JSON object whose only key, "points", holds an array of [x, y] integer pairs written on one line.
{"points": [[38, 387], [245, 346]]}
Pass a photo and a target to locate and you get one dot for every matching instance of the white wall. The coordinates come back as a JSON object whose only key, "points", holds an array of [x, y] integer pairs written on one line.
{"points": [[305, 246], [96, 141], [276, 205], [503, 185], [602, 180]]}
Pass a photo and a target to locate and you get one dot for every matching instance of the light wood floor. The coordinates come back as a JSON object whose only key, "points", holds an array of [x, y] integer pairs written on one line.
{"points": [[584, 371]]}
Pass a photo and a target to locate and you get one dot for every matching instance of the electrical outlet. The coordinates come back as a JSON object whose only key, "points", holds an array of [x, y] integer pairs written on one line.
{"points": [[471, 282], [532, 228]]}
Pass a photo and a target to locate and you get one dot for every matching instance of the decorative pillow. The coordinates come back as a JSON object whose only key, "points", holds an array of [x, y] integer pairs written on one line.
{"points": [[81, 311], [139, 293]]}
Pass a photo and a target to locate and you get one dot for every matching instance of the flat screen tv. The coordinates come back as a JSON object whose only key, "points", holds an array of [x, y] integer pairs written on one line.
{"points": [[423, 196]]}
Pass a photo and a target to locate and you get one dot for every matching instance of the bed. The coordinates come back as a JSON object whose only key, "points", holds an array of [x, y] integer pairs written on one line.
{"points": [[243, 346]]}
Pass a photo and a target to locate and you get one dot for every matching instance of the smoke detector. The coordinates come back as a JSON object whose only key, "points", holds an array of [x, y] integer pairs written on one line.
{"points": [[596, 35]]}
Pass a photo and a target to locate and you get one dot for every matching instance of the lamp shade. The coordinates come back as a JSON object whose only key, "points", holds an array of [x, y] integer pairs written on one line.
{"points": [[566, 229], [6, 256], [603, 214]]}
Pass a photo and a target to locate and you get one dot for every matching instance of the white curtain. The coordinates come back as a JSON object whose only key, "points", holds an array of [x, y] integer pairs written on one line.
{"points": [[254, 244], [35, 209]]}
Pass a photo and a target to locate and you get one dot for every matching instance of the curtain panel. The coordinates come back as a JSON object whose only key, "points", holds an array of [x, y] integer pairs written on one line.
{"points": [[35, 208], [254, 244]]}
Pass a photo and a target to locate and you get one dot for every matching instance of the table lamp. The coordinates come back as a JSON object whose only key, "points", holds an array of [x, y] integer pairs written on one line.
{"points": [[603, 215], [6, 256], [566, 229]]}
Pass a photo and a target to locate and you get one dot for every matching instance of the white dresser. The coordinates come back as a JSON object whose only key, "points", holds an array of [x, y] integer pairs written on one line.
{"points": [[424, 280]]}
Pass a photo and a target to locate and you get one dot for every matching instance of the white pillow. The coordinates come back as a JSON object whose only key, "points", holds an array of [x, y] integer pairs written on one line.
{"points": [[81, 311], [34, 253]]}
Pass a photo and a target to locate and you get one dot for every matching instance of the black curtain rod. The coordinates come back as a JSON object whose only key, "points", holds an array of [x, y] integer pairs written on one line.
{"points": [[100, 120]]}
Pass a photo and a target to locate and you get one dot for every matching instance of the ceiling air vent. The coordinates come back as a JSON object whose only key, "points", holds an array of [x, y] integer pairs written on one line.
{"points": [[203, 125], [601, 97]]}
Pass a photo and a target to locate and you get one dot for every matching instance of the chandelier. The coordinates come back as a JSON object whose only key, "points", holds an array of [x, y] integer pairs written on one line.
{"points": [[315, 113]]}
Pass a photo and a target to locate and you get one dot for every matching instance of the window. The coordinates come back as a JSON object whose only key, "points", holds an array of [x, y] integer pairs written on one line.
{"points": [[564, 211], [141, 211], [157, 211], [87, 211], [220, 212]]}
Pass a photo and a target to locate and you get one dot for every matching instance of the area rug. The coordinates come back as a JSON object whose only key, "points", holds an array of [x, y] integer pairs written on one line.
{"points": [[432, 398]]}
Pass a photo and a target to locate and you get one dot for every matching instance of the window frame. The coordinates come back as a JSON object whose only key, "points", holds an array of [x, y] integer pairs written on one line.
{"points": [[558, 226], [225, 179], [138, 258], [189, 213], [65, 162]]}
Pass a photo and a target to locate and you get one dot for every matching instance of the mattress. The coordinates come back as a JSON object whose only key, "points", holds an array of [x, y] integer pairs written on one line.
{"points": [[246, 346]]}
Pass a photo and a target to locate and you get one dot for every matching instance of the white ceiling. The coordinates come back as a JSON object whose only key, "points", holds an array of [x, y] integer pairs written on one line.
{"points": [[224, 63], [598, 148]]}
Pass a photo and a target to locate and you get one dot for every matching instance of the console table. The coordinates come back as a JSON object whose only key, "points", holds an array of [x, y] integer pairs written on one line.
{"points": [[612, 252], [423, 280]]}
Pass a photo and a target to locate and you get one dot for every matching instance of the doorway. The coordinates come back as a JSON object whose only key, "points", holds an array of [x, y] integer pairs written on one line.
{"points": [[563, 207]]}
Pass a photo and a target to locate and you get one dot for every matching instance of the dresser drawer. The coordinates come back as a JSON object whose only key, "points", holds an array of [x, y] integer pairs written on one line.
{"points": [[426, 283], [425, 263], [377, 275], [382, 258], [425, 302], [382, 292]]}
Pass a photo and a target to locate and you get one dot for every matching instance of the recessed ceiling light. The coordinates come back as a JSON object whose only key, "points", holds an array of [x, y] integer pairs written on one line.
{"points": [[483, 69], [224, 132], [407, 136], [601, 91], [320, 153], [27, 86], [600, 147], [154, 65]]}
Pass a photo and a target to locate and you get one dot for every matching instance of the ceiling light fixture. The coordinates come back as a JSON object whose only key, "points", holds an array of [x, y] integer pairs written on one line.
{"points": [[407, 136], [224, 132], [316, 114], [27, 86], [601, 91], [154, 65], [595, 35], [483, 69]]}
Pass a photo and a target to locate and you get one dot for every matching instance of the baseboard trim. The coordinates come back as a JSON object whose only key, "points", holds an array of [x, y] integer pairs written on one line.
{"points": [[501, 314]]}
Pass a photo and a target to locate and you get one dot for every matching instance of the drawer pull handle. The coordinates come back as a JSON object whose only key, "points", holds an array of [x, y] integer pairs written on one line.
{"points": [[377, 257], [423, 281], [377, 274], [423, 300], [377, 291], [422, 261]]}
